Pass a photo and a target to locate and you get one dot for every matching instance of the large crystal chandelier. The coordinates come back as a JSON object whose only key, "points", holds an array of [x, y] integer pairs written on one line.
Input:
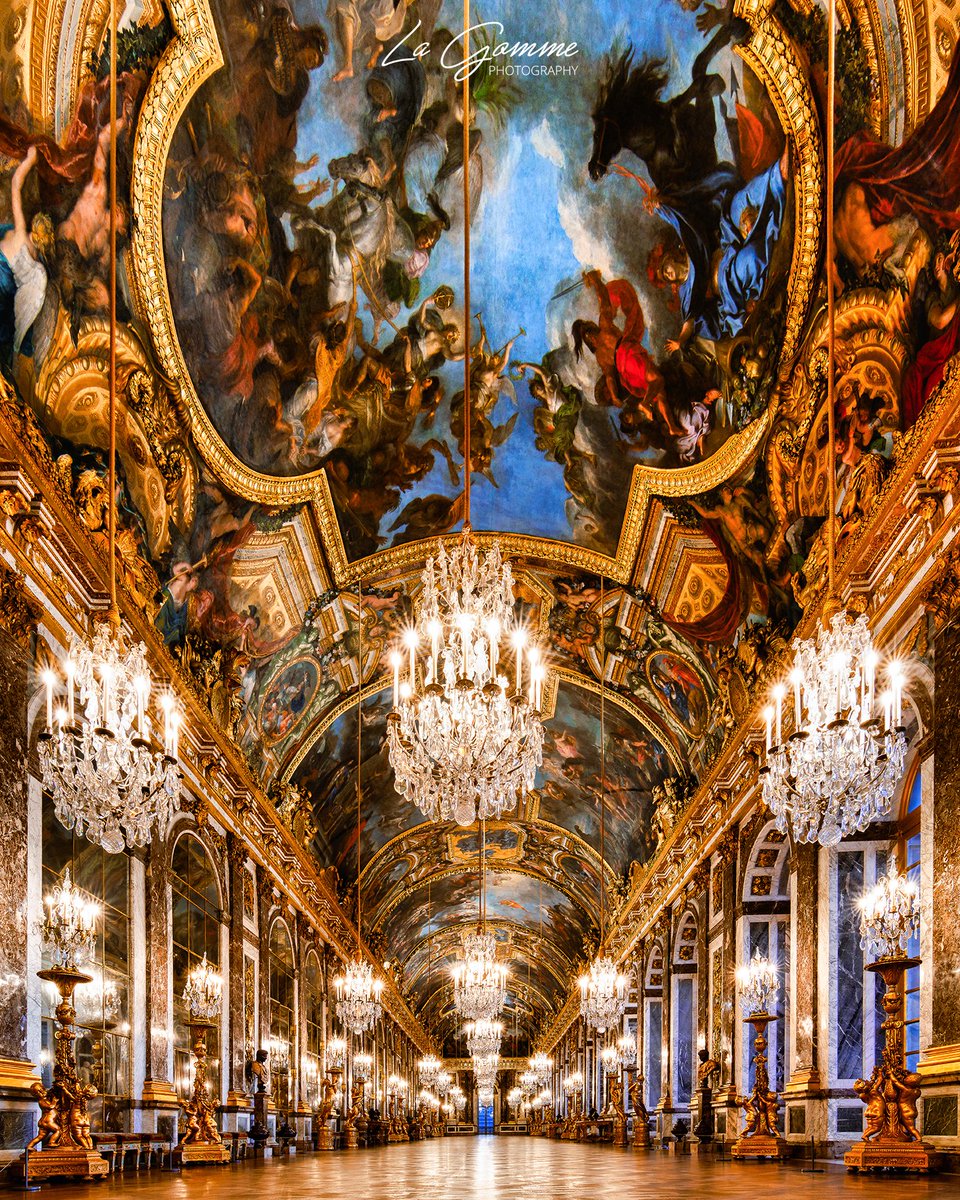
{"points": [[99, 761], [358, 996], [838, 769], [429, 1070], [109, 778], [362, 1067], [603, 994], [603, 990], [542, 1067], [620, 1055], [358, 989], [483, 1038], [479, 981], [467, 743], [465, 737], [890, 917]]}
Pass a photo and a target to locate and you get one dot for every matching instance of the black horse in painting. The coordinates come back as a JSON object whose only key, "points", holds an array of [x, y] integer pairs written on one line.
{"points": [[675, 138]]}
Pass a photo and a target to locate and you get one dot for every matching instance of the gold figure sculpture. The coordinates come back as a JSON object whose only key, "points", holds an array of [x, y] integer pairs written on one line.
{"points": [[328, 1092], [619, 1114]]}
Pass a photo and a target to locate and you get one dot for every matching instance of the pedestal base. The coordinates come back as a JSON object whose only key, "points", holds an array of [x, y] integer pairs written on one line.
{"points": [[760, 1146], [351, 1138], [891, 1156], [325, 1138], [201, 1152], [53, 1164]]}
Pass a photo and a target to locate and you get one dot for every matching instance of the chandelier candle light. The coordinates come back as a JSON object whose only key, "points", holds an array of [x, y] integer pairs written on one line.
{"points": [[358, 990], [203, 995], [760, 1137], [69, 934], [889, 921], [99, 760]]}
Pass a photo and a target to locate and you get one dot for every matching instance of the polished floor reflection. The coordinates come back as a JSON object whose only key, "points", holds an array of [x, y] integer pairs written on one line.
{"points": [[503, 1168]]}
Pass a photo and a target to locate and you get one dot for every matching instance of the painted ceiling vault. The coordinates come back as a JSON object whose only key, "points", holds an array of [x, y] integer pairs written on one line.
{"points": [[647, 343]]}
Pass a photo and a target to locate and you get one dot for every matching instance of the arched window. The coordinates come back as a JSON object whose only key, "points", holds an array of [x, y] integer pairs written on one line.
{"points": [[282, 1012], [766, 931], [653, 1025], [909, 848], [196, 912], [313, 1012], [103, 1005]]}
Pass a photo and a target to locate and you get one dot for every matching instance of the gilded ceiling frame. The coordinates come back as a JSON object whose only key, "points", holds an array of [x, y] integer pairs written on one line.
{"points": [[194, 55]]}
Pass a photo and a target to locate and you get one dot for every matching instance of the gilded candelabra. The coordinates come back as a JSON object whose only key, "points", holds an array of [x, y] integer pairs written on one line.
{"points": [[760, 1136], [201, 1143], [329, 1086], [890, 918], [354, 1114], [63, 1132], [63, 1136], [641, 1118]]}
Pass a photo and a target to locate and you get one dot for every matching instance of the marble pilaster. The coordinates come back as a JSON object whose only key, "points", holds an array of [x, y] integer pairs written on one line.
{"points": [[160, 1101], [235, 1054], [806, 1110]]}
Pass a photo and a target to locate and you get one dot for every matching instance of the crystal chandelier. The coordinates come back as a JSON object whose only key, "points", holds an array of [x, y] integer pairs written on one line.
{"points": [[483, 1038], [335, 1055], [890, 917], [465, 736], [529, 1082], [485, 1096], [358, 997], [429, 1070], [479, 981], [108, 778], [485, 1068], [465, 746], [542, 1067], [758, 984], [444, 1083], [458, 1098], [573, 1084], [620, 1055], [69, 925], [359, 990], [838, 770], [203, 993], [362, 1067], [603, 995]]}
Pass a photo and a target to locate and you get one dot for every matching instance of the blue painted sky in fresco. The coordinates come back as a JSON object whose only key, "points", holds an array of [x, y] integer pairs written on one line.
{"points": [[540, 221]]}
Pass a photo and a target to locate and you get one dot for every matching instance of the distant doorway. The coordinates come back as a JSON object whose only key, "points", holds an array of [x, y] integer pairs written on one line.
{"points": [[485, 1119]]}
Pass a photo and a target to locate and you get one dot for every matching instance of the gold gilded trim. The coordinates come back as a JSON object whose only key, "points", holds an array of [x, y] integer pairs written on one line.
{"points": [[194, 55]]}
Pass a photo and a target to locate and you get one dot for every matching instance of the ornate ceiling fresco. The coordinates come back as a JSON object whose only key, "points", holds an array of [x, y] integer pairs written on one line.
{"points": [[647, 358]]}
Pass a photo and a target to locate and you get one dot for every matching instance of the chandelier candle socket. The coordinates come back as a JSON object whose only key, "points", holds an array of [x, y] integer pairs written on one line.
{"points": [[758, 984], [465, 737], [603, 995], [838, 769], [108, 778], [358, 997], [479, 981]]}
